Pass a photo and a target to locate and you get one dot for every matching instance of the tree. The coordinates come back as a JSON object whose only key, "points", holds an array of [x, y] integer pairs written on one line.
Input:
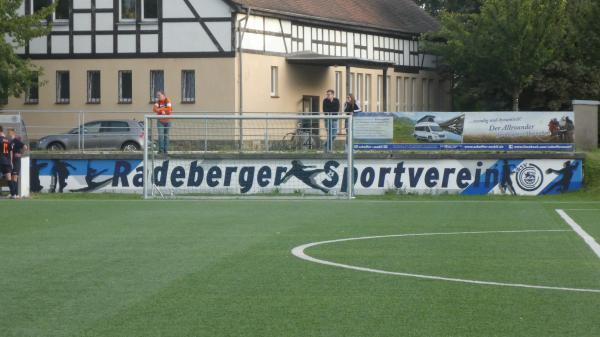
{"points": [[575, 73], [495, 54], [436, 7], [16, 31]]}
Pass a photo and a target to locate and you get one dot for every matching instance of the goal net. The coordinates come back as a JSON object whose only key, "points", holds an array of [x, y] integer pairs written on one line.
{"points": [[247, 154]]}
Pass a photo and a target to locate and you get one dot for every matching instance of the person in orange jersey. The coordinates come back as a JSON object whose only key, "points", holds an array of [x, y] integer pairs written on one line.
{"points": [[163, 107]]}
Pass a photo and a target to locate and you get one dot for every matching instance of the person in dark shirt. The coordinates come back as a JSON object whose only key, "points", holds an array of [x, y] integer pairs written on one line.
{"points": [[6, 161], [17, 149], [331, 107], [350, 107]]}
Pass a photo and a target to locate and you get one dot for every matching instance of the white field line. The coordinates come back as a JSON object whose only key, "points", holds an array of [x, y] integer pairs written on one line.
{"points": [[309, 199], [300, 253], [589, 240], [582, 209]]}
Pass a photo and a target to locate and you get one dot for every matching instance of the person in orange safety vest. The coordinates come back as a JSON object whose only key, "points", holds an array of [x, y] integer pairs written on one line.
{"points": [[163, 107]]}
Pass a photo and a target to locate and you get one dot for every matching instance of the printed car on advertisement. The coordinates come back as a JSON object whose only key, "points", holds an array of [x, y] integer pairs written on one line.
{"points": [[429, 132]]}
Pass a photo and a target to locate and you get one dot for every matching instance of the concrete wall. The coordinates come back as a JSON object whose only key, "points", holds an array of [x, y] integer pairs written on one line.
{"points": [[586, 124]]}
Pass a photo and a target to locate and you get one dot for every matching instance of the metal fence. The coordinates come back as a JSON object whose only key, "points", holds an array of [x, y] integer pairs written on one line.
{"points": [[252, 133], [105, 131]]}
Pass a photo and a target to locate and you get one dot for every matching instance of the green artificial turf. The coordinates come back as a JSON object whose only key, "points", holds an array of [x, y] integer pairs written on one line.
{"points": [[224, 268]]}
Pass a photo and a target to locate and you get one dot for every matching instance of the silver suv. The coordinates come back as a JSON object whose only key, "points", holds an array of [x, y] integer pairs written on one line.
{"points": [[124, 135]]}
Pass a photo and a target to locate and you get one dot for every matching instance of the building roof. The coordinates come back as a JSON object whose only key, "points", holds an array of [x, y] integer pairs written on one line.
{"points": [[390, 15], [309, 58]]}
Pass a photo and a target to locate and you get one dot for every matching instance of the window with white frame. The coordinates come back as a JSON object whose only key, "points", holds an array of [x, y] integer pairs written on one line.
{"points": [[63, 87], [274, 81], [32, 94], [353, 84], [379, 92], [414, 95], [150, 9], [37, 5], [188, 86], [61, 13], [407, 94], [128, 10], [93, 87], [338, 87], [125, 87], [338, 83], [432, 96], [157, 83], [388, 92], [367, 98], [359, 89], [425, 86], [399, 92]]}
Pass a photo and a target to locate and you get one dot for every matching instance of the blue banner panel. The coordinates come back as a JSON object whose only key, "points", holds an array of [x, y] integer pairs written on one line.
{"points": [[464, 147]]}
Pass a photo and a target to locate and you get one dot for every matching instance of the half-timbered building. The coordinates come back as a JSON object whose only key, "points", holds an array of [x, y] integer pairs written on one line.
{"points": [[232, 55]]}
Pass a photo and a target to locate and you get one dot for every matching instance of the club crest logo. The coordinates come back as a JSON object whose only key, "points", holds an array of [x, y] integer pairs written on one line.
{"points": [[529, 177]]}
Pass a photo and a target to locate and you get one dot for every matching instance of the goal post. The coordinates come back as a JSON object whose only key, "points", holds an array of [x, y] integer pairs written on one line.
{"points": [[250, 154]]}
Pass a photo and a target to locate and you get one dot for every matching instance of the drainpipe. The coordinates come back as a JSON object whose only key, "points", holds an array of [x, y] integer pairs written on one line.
{"points": [[241, 73]]}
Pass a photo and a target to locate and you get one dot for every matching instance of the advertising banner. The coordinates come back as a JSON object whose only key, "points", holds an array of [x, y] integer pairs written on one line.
{"points": [[313, 176], [374, 128], [477, 131]]}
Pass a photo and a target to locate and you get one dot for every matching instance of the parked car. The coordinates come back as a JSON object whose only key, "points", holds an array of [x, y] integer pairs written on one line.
{"points": [[124, 135], [429, 132]]}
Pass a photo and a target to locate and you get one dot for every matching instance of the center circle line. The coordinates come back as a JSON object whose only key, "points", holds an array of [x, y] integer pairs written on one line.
{"points": [[300, 253]]}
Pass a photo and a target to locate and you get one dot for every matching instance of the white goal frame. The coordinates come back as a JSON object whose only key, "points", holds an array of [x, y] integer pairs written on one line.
{"points": [[241, 117]]}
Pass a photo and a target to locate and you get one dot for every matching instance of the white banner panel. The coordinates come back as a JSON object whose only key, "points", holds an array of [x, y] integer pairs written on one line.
{"points": [[312, 176]]}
